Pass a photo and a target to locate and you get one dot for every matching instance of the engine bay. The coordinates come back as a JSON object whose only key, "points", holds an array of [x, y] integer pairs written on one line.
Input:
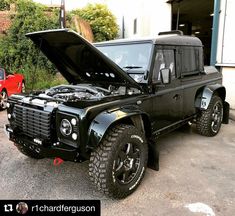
{"points": [[85, 92]]}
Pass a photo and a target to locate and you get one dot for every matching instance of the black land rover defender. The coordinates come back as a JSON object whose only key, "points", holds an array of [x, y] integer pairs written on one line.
{"points": [[121, 95]]}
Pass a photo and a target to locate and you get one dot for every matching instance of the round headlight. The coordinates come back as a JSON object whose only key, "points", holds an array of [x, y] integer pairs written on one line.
{"points": [[65, 127]]}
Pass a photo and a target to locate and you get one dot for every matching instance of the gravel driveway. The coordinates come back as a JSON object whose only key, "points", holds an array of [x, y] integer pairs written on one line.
{"points": [[193, 169]]}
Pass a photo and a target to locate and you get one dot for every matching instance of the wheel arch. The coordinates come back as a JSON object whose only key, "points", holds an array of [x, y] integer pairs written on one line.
{"points": [[204, 94], [105, 120]]}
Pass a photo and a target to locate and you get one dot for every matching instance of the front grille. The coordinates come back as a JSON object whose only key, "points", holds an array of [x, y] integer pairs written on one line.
{"points": [[33, 122]]}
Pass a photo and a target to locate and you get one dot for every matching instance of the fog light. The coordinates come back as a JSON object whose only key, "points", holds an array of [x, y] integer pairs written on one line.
{"points": [[73, 121], [74, 136], [9, 116]]}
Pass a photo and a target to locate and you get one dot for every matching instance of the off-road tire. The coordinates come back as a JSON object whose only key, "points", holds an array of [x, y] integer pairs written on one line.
{"points": [[103, 160], [28, 152], [205, 118]]}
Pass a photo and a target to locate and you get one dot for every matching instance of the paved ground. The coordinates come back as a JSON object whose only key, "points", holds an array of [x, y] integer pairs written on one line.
{"points": [[232, 114], [192, 169]]}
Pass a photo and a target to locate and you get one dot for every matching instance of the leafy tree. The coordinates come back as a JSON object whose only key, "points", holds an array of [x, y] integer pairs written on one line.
{"points": [[102, 21], [5, 5], [16, 51]]}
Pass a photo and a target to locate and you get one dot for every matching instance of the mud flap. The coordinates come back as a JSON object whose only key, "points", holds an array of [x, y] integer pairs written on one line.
{"points": [[153, 156], [226, 113]]}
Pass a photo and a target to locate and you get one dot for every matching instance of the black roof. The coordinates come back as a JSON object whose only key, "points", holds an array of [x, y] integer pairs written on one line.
{"points": [[180, 40]]}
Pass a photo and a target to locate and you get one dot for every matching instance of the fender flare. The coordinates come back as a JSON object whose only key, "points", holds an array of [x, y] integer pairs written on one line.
{"points": [[103, 121], [204, 95]]}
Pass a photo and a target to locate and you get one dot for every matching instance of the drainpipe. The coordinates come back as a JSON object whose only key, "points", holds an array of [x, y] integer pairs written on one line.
{"points": [[123, 27], [215, 31], [62, 15], [178, 17]]}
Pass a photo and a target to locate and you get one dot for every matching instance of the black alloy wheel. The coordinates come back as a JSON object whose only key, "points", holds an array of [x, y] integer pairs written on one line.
{"points": [[127, 163], [217, 116]]}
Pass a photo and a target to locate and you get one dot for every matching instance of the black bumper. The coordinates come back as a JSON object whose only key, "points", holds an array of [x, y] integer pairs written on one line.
{"points": [[46, 149]]}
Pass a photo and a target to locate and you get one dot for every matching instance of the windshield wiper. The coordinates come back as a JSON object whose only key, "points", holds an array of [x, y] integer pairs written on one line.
{"points": [[132, 67]]}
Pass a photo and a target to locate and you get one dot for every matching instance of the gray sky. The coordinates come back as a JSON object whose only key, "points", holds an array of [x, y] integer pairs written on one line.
{"points": [[70, 4]]}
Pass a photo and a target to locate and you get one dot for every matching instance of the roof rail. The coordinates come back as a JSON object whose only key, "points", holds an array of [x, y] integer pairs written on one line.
{"points": [[178, 32]]}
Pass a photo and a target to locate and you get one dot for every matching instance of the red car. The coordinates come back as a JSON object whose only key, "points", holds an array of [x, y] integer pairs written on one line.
{"points": [[10, 84]]}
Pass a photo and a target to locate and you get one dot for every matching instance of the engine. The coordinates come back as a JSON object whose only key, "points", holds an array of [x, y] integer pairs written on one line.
{"points": [[84, 92]]}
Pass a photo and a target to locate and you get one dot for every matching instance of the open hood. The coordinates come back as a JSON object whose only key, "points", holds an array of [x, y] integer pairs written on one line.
{"points": [[77, 59]]}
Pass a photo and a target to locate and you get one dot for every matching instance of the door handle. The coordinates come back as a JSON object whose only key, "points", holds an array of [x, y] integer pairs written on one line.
{"points": [[177, 97]]}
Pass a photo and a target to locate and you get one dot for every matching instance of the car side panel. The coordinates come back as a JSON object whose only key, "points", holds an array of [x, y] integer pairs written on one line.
{"points": [[192, 86], [13, 84]]}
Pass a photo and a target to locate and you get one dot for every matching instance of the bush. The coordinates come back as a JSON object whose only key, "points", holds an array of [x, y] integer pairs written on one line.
{"points": [[37, 79], [102, 21], [17, 53], [5, 4]]}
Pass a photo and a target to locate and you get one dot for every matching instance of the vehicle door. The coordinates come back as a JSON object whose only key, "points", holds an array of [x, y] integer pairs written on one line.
{"points": [[192, 76], [10, 83], [167, 100]]}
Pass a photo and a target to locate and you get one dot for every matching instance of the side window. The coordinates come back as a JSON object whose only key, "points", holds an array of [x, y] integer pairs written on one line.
{"points": [[164, 59], [190, 61]]}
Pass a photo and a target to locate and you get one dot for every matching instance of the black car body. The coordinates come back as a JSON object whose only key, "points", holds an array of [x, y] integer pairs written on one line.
{"points": [[156, 85]]}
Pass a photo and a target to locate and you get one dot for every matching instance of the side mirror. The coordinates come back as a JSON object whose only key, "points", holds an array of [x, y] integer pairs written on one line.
{"points": [[9, 76], [165, 75]]}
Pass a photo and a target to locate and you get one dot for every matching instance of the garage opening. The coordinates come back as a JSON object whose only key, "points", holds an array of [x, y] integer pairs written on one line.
{"points": [[195, 17]]}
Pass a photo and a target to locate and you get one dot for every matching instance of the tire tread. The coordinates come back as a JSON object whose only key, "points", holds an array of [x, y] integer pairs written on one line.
{"points": [[203, 125], [99, 161]]}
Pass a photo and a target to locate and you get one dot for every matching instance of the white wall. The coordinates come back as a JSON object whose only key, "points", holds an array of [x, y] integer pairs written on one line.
{"points": [[226, 47], [226, 37], [229, 83], [228, 56], [152, 16]]}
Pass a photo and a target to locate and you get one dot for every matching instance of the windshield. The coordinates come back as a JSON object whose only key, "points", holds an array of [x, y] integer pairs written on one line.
{"points": [[1, 74], [128, 56]]}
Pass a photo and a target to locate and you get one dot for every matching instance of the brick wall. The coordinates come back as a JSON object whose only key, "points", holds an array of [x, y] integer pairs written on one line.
{"points": [[5, 21]]}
